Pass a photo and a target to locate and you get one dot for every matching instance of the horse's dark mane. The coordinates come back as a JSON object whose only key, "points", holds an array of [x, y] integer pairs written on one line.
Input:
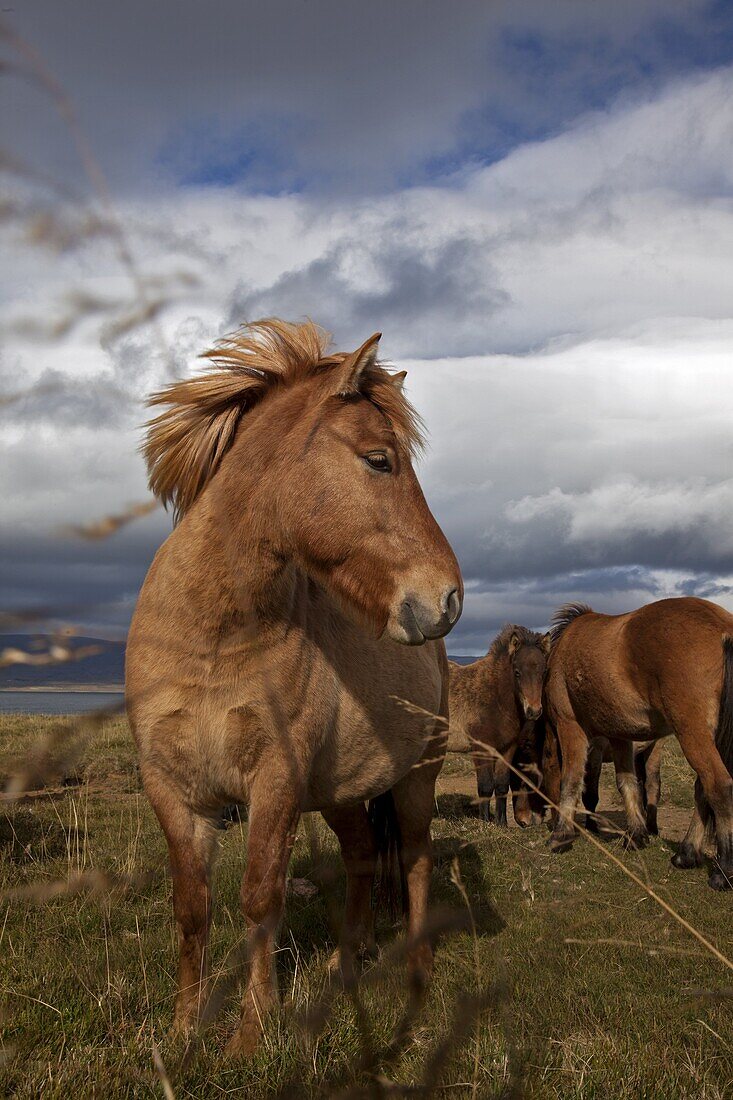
{"points": [[500, 644], [564, 616]]}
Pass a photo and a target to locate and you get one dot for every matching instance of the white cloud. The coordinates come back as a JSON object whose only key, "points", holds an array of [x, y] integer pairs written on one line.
{"points": [[564, 316]]}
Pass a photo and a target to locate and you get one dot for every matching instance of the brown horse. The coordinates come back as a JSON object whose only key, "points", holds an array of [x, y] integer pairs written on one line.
{"points": [[664, 669], [495, 704], [282, 624]]}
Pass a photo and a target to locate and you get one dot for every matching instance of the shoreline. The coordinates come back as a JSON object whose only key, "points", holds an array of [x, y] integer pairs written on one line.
{"points": [[75, 689]]}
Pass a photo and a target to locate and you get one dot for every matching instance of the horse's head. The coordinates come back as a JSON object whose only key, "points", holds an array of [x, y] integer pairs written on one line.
{"points": [[528, 661], [356, 515], [309, 457]]}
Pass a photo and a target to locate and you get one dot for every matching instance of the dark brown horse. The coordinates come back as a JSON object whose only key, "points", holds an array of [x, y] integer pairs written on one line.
{"points": [[495, 704], [296, 605], [664, 669]]}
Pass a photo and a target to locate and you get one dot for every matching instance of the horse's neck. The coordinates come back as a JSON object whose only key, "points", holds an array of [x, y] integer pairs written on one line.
{"points": [[235, 579], [496, 677]]}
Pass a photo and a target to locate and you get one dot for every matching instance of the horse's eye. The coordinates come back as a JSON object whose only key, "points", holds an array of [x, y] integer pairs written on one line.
{"points": [[516, 673], [379, 462]]}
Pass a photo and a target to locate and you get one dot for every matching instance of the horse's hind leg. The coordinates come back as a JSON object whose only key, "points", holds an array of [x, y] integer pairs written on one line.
{"points": [[273, 820], [717, 788], [574, 749], [591, 783], [650, 759], [637, 834], [358, 850], [191, 847], [691, 849], [551, 772]]}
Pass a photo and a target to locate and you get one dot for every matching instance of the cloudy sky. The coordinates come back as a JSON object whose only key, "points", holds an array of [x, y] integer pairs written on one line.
{"points": [[533, 201]]}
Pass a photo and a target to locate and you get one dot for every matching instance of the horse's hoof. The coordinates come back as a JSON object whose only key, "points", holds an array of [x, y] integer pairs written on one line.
{"points": [[333, 966], [560, 843], [718, 880], [651, 823], [183, 1026], [685, 858], [242, 1045], [591, 824], [636, 841]]}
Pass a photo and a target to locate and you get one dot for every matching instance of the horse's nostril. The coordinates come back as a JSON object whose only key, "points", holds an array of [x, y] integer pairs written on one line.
{"points": [[453, 605]]}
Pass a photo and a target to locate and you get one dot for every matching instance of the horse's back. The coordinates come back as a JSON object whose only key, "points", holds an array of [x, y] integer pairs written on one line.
{"points": [[465, 699], [631, 675]]}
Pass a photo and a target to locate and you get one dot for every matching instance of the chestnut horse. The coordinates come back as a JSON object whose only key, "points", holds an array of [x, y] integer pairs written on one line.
{"points": [[295, 606], [495, 703], [664, 669]]}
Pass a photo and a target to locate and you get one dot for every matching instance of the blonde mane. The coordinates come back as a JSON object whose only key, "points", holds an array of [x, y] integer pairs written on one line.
{"points": [[185, 444]]}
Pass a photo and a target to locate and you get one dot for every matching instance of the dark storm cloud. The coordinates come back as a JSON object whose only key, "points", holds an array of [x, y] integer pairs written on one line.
{"points": [[95, 583], [56, 400], [427, 297], [337, 94]]}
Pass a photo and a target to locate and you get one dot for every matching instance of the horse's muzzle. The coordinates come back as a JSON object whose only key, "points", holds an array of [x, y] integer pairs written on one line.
{"points": [[416, 621]]}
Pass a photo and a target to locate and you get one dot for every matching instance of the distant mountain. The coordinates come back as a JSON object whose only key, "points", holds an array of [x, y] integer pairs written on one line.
{"points": [[105, 667]]}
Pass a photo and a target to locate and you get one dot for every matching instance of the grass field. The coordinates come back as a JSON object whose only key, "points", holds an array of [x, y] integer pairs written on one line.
{"points": [[588, 988]]}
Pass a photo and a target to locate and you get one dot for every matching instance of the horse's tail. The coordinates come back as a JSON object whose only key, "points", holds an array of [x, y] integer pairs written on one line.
{"points": [[724, 732], [391, 885]]}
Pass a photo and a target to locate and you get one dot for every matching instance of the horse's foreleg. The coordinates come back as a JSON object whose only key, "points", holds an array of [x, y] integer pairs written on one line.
{"points": [[191, 846], [485, 781], [501, 790], [521, 804], [574, 749], [628, 787], [358, 850], [273, 820], [414, 797]]}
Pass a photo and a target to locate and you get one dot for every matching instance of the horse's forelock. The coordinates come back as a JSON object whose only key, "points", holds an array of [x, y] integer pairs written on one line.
{"points": [[500, 644], [185, 444]]}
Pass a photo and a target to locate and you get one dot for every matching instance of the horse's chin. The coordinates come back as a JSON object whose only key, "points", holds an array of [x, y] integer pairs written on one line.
{"points": [[397, 633], [412, 626]]}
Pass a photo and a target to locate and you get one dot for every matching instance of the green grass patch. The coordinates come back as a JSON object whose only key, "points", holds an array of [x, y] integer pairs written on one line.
{"points": [[590, 990]]}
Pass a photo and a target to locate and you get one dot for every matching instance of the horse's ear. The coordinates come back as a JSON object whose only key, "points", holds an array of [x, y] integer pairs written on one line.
{"points": [[398, 380], [513, 644], [348, 376], [546, 643]]}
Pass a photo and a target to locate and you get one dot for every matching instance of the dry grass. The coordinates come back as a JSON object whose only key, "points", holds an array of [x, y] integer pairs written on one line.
{"points": [[582, 987]]}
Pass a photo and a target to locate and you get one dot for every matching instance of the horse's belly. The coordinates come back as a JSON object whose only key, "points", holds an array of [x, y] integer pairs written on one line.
{"points": [[616, 712]]}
